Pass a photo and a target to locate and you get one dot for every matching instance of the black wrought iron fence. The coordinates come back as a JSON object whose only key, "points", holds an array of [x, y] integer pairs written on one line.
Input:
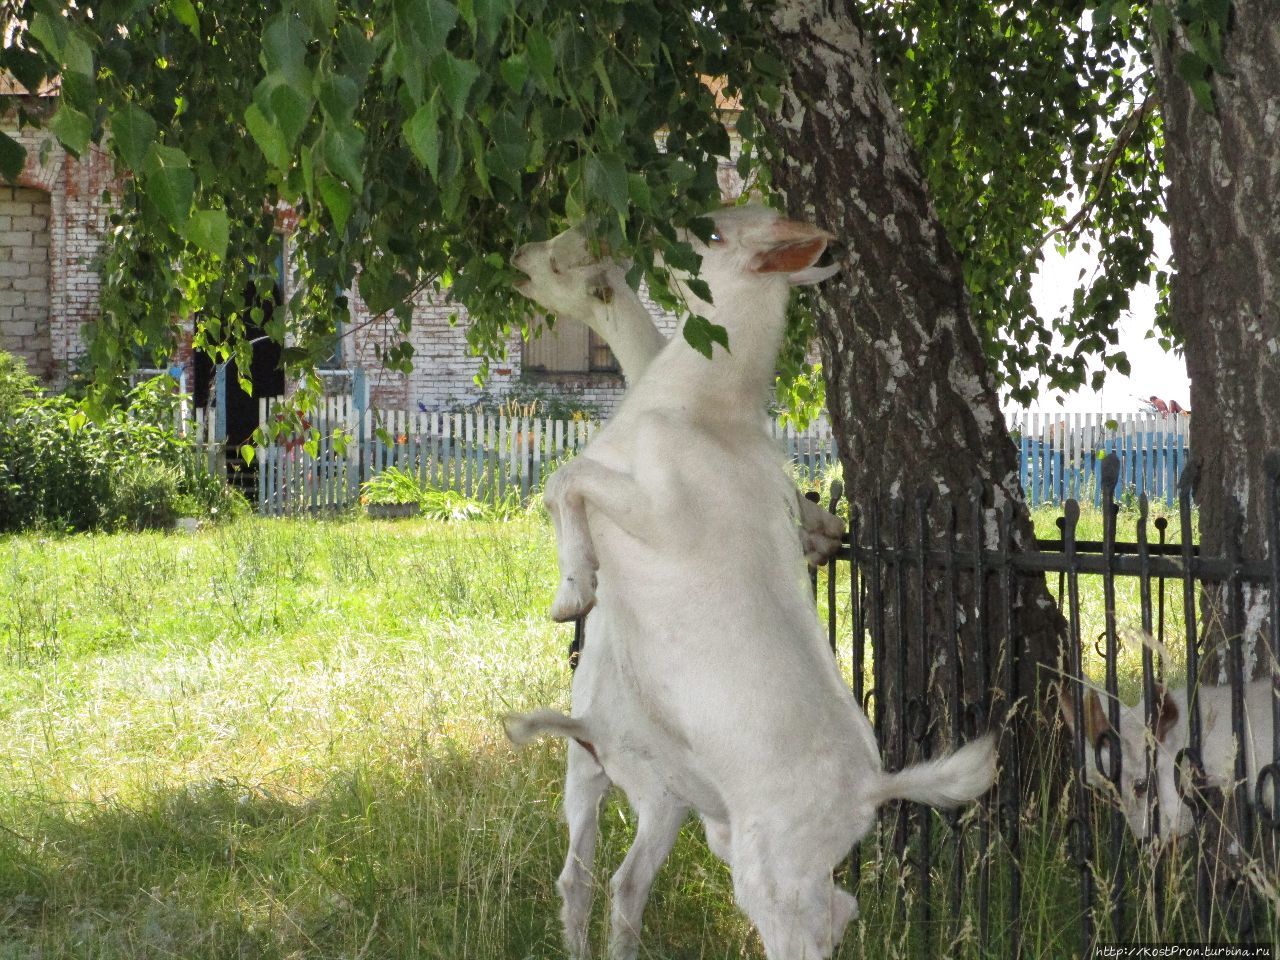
{"points": [[1049, 864], [1105, 867]]}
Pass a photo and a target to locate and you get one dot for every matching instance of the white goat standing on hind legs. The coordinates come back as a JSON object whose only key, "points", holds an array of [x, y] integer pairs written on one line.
{"points": [[712, 687], [565, 278]]}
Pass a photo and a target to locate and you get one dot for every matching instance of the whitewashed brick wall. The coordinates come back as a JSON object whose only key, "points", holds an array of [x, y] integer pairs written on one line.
{"points": [[72, 191], [444, 368], [24, 277]]}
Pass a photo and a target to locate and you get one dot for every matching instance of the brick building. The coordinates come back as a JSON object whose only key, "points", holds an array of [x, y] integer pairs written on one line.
{"points": [[51, 227]]}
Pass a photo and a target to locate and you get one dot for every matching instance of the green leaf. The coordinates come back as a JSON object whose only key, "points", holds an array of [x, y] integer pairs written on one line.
{"points": [[321, 14], [456, 78], [170, 183], [342, 153], [291, 110], [479, 162], [422, 133], [542, 59], [427, 23], [357, 51], [13, 157], [607, 179], [638, 191], [247, 453], [510, 148], [515, 71], [490, 15], [210, 231], [77, 57], [410, 68], [338, 200], [701, 334], [339, 97], [184, 12], [699, 288], [1203, 92], [52, 31], [284, 50], [132, 131], [72, 128], [1191, 66], [267, 136]]}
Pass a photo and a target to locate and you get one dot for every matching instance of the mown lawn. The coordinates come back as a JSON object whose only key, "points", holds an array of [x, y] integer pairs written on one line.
{"points": [[281, 739]]}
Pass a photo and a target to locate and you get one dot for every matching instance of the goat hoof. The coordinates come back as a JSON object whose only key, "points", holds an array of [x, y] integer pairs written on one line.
{"points": [[573, 600]]}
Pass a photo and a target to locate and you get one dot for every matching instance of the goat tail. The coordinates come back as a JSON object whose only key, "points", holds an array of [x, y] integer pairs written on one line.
{"points": [[524, 728], [948, 781]]}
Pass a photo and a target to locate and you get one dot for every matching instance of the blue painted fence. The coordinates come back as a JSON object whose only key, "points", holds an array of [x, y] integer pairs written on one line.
{"points": [[1061, 454]]}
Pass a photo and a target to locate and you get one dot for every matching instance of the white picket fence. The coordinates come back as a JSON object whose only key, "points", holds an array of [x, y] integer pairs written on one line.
{"points": [[493, 456], [484, 455]]}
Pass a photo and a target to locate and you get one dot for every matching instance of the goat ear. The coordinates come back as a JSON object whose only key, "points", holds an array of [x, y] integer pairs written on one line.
{"points": [[789, 257], [1166, 712], [811, 275], [1095, 718]]}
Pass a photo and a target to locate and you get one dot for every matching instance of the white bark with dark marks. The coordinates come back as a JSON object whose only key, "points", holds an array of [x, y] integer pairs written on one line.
{"points": [[1224, 216], [911, 395]]}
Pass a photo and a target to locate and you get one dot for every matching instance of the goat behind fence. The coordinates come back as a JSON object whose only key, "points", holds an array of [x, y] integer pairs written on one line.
{"points": [[1123, 892]]}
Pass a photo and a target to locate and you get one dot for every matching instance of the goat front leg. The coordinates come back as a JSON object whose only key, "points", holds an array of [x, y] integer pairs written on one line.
{"points": [[575, 486], [820, 531]]}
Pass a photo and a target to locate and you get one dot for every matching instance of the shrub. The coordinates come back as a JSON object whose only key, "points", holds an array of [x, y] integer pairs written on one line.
{"points": [[59, 469], [147, 494], [16, 385], [394, 486]]}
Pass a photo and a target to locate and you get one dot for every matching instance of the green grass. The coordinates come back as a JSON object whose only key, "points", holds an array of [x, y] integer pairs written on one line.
{"points": [[280, 739], [1128, 600]]}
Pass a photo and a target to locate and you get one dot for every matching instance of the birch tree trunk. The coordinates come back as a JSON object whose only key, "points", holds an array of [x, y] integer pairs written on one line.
{"points": [[911, 396], [1224, 219]]}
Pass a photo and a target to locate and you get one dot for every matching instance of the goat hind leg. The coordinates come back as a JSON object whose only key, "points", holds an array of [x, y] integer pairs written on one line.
{"points": [[656, 831], [585, 785], [796, 907], [820, 531]]}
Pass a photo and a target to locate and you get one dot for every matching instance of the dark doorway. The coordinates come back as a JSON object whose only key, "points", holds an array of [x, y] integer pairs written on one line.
{"points": [[266, 374]]}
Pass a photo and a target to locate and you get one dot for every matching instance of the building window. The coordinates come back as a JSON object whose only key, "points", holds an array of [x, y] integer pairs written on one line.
{"points": [[569, 347], [335, 360], [602, 358]]}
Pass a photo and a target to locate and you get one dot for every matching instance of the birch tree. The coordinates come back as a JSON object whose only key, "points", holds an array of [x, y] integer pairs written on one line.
{"points": [[1219, 75]]}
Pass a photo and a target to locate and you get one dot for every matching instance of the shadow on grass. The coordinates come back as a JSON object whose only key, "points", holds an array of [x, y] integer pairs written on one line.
{"points": [[448, 856]]}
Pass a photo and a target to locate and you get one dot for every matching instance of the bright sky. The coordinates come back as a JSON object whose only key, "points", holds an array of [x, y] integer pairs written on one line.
{"points": [[1153, 372]]}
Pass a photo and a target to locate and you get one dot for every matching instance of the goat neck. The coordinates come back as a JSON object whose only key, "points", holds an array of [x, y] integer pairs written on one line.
{"points": [[624, 323], [740, 378]]}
